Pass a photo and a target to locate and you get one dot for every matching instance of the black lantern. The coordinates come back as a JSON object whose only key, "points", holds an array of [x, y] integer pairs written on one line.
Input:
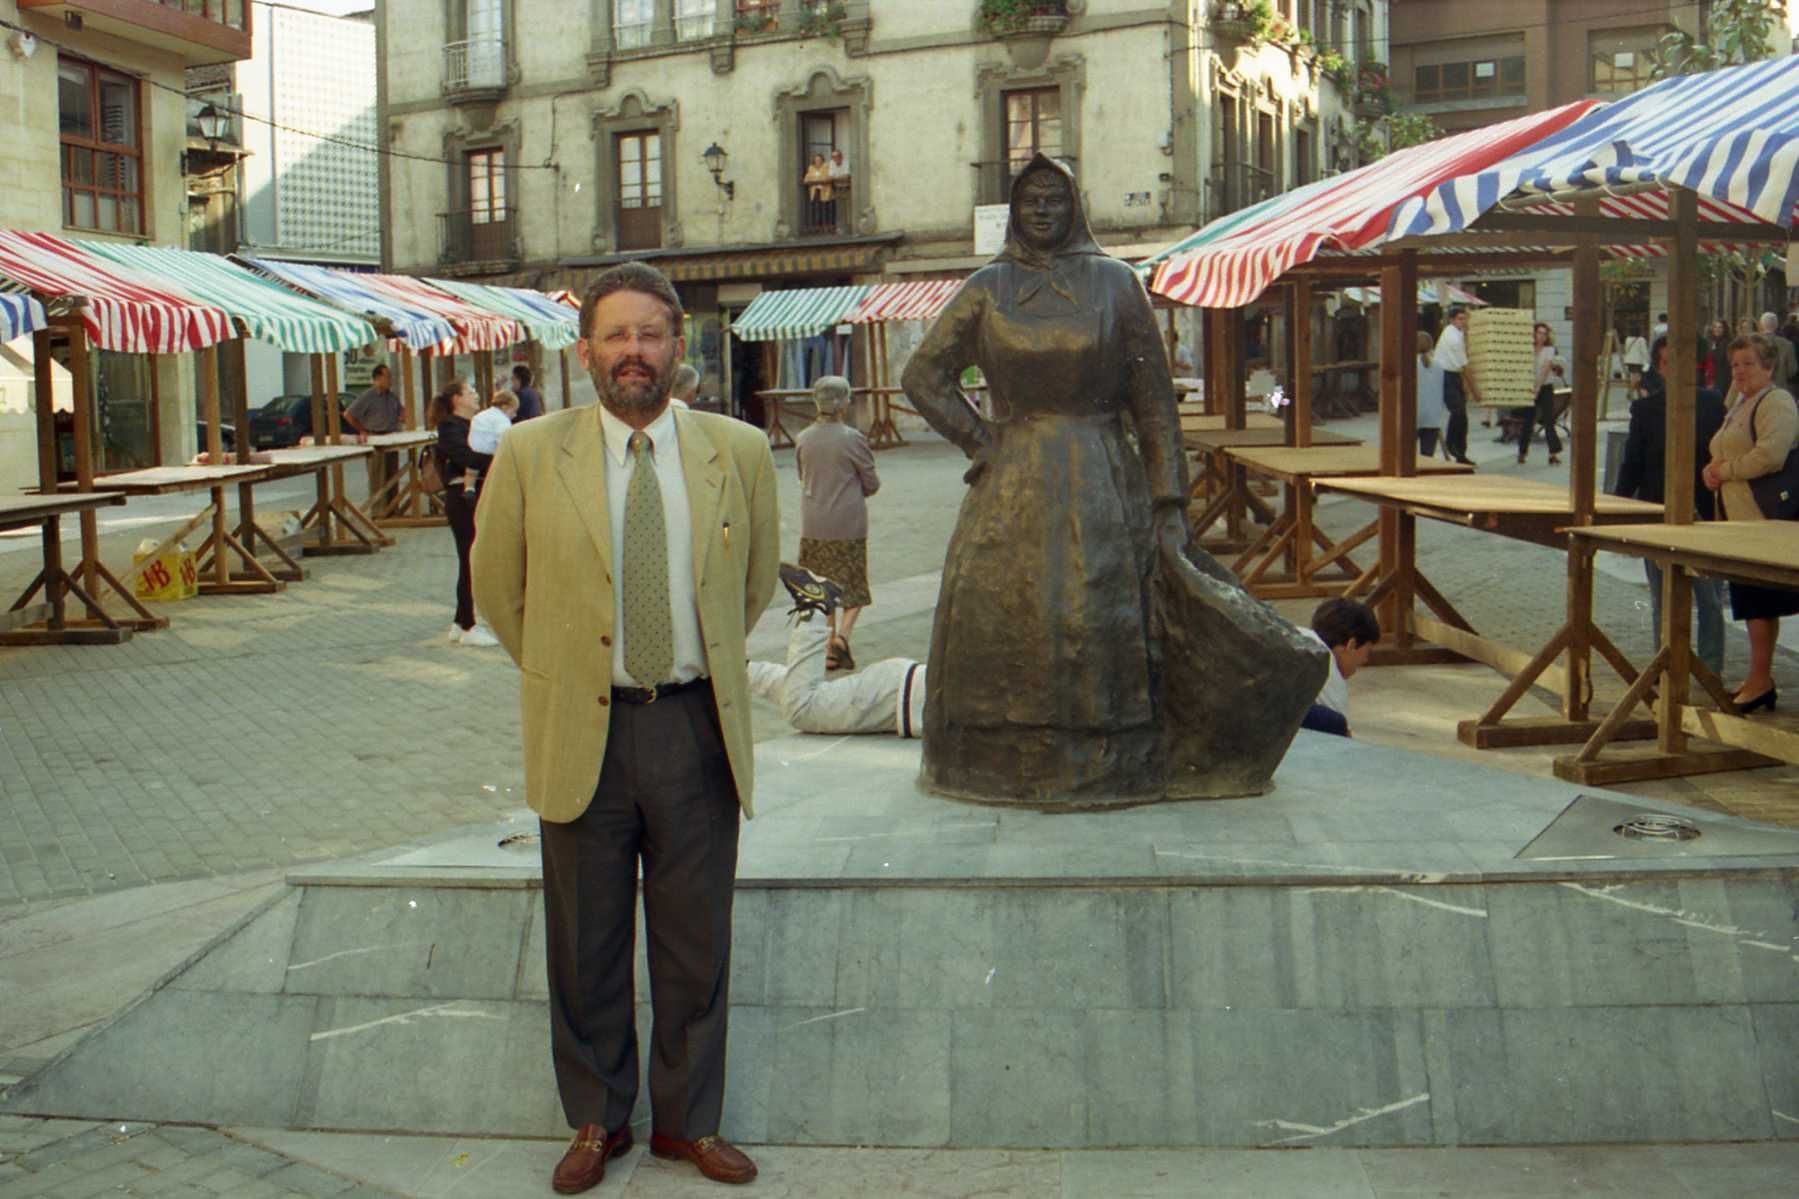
{"points": [[212, 124], [715, 159]]}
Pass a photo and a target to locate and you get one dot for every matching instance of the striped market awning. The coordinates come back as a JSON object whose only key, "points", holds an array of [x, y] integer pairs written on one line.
{"points": [[477, 329], [552, 325], [19, 314], [918, 300], [415, 326], [1731, 135], [267, 311], [1236, 258], [797, 312], [1428, 293], [122, 309]]}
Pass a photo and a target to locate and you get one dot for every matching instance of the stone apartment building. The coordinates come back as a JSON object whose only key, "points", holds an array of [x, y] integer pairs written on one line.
{"points": [[536, 142], [1468, 63], [93, 148]]}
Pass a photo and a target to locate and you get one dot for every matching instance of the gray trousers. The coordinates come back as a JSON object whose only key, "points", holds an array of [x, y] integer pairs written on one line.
{"points": [[665, 799]]}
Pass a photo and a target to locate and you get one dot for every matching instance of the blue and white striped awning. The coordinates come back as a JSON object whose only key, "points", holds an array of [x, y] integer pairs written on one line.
{"points": [[552, 325], [1731, 136], [19, 314], [416, 327], [797, 312]]}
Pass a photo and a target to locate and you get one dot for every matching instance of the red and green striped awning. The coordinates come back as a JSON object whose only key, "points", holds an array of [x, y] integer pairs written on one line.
{"points": [[123, 309], [1236, 258]]}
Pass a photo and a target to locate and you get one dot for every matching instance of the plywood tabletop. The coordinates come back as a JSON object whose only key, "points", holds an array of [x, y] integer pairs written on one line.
{"points": [[21, 509], [1478, 493], [163, 480], [1772, 543], [1322, 461], [1201, 422], [1222, 439], [313, 455]]}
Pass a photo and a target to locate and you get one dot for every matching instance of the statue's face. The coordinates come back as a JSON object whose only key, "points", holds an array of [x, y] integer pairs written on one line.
{"points": [[1045, 210]]}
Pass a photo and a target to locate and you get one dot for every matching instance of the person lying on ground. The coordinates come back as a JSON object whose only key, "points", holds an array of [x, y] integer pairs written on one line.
{"points": [[885, 697]]}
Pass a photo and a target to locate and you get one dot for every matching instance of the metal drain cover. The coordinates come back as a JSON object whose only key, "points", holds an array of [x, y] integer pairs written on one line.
{"points": [[1648, 826], [1594, 828]]}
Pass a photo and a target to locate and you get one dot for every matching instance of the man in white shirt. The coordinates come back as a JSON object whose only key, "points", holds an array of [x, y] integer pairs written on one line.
{"points": [[1349, 630], [1459, 386], [1661, 328]]}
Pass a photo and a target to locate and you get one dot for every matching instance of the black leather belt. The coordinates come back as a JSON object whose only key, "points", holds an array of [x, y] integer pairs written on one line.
{"points": [[649, 695]]}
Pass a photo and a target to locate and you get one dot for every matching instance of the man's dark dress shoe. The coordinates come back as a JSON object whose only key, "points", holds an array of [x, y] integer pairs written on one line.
{"points": [[584, 1165], [716, 1157]]}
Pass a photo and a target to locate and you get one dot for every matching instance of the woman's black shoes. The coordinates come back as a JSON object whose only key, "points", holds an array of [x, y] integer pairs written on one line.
{"points": [[1764, 700]]}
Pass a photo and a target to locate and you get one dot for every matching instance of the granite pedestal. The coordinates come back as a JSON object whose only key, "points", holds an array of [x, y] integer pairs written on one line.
{"points": [[1387, 950]]}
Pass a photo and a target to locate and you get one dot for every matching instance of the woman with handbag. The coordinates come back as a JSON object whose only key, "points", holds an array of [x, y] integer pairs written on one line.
{"points": [[1753, 470], [463, 471]]}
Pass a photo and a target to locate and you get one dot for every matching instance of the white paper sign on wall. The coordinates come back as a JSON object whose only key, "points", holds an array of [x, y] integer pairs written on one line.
{"points": [[990, 227]]}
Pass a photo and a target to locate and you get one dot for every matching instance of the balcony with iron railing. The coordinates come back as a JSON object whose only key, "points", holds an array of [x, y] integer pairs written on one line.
{"points": [[825, 218], [478, 241], [195, 31], [476, 67]]}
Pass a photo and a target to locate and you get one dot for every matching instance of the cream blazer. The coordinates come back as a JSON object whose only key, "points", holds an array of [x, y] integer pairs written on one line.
{"points": [[543, 575]]}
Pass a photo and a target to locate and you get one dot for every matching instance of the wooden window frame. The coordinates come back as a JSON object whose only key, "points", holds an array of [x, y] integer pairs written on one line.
{"points": [[1005, 126], [495, 157], [642, 138], [1438, 93], [96, 146]]}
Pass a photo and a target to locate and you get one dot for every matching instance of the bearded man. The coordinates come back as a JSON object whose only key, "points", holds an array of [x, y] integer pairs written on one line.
{"points": [[625, 550]]}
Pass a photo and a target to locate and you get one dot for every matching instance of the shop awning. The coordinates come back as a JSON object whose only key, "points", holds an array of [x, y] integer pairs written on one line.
{"points": [[267, 311], [797, 312], [411, 324], [552, 325], [122, 309], [1731, 135], [1428, 293], [1235, 258], [19, 315], [919, 300]]}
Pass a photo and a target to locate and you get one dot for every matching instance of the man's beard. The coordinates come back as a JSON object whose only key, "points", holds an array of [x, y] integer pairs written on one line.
{"points": [[627, 398]]}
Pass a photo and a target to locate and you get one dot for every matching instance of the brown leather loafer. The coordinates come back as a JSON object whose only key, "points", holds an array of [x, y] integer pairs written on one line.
{"points": [[584, 1165], [716, 1157]]}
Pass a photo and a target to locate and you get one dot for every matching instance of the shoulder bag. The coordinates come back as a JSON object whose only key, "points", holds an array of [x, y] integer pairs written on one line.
{"points": [[1777, 492]]}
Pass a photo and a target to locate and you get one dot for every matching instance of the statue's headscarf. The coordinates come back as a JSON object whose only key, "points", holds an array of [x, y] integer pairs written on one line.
{"points": [[1053, 267]]}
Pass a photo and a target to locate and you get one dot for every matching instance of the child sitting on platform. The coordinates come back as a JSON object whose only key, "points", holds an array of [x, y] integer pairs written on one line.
{"points": [[1349, 629]]}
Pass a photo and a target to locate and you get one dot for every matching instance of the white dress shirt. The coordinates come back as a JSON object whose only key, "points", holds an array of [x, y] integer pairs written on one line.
{"points": [[1452, 350], [1335, 692], [677, 520]]}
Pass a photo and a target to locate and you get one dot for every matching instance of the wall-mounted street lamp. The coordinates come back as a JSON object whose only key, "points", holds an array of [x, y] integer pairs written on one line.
{"points": [[715, 158], [212, 124]]}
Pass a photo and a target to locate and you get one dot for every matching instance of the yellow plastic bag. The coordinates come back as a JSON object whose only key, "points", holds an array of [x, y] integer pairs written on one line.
{"points": [[174, 575]]}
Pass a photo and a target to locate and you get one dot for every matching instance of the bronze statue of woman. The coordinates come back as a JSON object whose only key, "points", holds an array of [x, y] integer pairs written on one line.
{"points": [[1051, 682]]}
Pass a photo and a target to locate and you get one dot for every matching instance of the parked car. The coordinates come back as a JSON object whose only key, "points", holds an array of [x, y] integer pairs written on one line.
{"points": [[285, 419], [227, 437]]}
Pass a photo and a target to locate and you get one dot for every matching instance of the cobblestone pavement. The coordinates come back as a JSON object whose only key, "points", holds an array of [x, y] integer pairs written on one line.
{"points": [[73, 1159], [335, 717]]}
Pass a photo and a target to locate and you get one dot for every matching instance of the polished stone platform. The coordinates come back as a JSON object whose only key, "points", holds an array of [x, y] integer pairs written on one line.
{"points": [[1388, 949]]}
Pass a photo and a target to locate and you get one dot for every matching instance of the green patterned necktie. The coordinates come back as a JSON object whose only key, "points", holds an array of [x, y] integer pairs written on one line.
{"points": [[649, 626]]}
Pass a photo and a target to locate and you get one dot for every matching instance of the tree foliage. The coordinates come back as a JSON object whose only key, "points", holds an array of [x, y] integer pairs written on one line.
{"points": [[1736, 31]]}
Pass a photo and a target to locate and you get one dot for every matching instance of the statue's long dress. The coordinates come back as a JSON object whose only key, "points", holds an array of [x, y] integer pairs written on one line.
{"points": [[1049, 693]]}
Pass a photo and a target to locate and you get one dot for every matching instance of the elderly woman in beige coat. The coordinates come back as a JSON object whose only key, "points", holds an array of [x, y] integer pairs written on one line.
{"points": [[1758, 433]]}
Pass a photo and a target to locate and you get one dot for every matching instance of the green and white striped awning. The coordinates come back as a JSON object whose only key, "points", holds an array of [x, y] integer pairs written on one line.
{"points": [[554, 326], [266, 311], [797, 312]]}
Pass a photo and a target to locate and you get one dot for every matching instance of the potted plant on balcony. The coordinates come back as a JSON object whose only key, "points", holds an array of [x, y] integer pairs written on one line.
{"points": [[756, 20], [1336, 67], [1374, 90], [823, 18], [1026, 26], [1254, 23]]}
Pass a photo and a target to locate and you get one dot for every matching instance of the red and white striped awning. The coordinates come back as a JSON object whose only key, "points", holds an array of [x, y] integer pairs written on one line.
{"points": [[1236, 258], [123, 309], [918, 300]]}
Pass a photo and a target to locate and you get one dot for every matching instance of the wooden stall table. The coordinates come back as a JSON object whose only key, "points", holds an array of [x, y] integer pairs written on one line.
{"points": [[775, 399], [1522, 509], [332, 508], [173, 480], [1756, 551], [1203, 422], [47, 623], [1291, 538], [1222, 488], [403, 502]]}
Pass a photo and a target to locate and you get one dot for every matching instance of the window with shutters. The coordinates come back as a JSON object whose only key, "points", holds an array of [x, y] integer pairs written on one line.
{"points": [[102, 148], [639, 158]]}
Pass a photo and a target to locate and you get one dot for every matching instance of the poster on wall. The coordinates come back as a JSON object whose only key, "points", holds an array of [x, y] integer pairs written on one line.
{"points": [[990, 227]]}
